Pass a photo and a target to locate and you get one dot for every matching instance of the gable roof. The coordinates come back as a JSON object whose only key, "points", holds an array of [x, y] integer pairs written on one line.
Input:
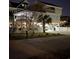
{"points": [[50, 4]]}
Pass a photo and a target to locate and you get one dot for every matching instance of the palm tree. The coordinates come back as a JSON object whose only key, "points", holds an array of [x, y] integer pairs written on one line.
{"points": [[44, 19]]}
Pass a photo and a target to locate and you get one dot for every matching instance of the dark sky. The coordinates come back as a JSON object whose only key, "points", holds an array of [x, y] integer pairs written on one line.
{"points": [[65, 4]]}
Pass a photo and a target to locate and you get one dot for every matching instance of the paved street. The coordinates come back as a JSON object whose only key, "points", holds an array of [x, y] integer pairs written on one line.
{"points": [[56, 47]]}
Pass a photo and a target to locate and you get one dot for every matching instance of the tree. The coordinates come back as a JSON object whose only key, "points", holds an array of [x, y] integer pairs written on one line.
{"points": [[44, 19]]}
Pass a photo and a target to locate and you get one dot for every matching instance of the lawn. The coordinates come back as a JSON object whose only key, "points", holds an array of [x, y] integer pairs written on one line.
{"points": [[31, 35]]}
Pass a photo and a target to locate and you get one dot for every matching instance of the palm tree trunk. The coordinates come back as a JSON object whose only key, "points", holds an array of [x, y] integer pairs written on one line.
{"points": [[21, 25], [43, 26], [13, 23]]}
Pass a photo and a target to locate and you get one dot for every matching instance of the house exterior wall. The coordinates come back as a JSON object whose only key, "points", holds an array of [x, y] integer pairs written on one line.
{"points": [[56, 14], [58, 10], [55, 20]]}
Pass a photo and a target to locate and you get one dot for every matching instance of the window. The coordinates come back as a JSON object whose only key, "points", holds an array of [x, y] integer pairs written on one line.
{"points": [[51, 9]]}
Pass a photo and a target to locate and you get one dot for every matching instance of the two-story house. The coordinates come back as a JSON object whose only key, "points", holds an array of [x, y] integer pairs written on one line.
{"points": [[34, 11]]}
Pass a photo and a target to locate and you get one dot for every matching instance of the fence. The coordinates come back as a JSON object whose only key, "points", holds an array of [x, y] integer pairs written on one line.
{"points": [[62, 29]]}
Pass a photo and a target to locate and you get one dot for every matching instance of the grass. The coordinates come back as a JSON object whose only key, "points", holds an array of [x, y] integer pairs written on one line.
{"points": [[31, 35]]}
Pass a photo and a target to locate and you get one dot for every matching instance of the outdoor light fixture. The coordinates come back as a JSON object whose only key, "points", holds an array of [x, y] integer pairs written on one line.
{"points": [[40, 25], [15, 19], [23, 5], [47, 25], [24, 23], [64, 21], [35, 23]]}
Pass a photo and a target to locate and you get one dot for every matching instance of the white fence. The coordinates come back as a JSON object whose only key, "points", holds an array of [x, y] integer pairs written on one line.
{"points": [[61, 30], [64, 29]]}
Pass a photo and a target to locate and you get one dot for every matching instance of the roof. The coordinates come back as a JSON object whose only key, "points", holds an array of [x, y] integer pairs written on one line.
{"points": [[50, 4], [30, 7], [25, 1]]}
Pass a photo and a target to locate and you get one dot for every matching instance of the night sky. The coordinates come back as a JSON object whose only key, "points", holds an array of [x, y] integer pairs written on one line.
{"points": [[65, 4]]}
